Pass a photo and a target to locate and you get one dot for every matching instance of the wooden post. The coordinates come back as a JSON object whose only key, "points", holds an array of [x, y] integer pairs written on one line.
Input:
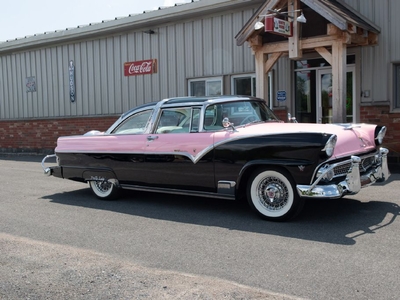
{"points": [[294, 43], [339, 51], [261, 87]]}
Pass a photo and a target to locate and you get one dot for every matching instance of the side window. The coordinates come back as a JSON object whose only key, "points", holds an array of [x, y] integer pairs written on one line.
{"points": [[174, 120], [195, 125], [213, 117], [135, 124]]}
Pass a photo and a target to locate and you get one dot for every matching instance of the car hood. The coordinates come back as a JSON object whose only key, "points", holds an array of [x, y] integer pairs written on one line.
{"points": [[351, 138]]}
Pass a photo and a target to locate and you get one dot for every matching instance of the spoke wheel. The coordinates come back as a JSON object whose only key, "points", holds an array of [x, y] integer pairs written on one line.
{"points": [[272, 195], [104, 190]]}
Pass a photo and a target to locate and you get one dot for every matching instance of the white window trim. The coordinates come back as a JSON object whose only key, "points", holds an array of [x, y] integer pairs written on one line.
{"points": [[253, 76], [206, 79]]}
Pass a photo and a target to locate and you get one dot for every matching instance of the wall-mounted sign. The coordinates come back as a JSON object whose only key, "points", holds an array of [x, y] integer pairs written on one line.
{"points": [[140, 67], [30, 84], [281, 95], [278, 26], [71, 81]]}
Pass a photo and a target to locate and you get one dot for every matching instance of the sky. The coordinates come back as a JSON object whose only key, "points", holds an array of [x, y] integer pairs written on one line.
{"points": [[20, 18]]}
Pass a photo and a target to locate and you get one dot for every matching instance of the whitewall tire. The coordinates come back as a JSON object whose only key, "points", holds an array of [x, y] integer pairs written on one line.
{"points": [[271, 193], [104, 190]]}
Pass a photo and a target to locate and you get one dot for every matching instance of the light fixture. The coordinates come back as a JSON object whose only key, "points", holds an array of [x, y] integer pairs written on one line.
{"points": [[258, 25], [300, 19]]}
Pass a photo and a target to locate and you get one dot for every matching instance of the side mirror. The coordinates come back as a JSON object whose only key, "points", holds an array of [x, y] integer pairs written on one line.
{"points": [[291, 119], [226, 124]]}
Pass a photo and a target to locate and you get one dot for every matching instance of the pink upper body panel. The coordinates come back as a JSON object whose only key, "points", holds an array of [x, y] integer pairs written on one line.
{"points": [[358, 139]]}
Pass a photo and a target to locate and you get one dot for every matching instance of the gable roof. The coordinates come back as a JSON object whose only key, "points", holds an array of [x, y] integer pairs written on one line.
{"points": [[335, 11], [142, 21]]}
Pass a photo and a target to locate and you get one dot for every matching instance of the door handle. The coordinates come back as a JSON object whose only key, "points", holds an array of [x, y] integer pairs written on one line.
{"points": [[152, 138]]}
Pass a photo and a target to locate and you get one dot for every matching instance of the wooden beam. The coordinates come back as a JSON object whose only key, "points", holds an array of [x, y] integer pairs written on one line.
{"points": [[255, 43], [359, 40], [271, 61], [325, 54], [307, 43], [372, 38], [333, 30]]}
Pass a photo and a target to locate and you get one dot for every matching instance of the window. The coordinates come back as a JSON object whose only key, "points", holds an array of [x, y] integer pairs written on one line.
{"points": [[238, 113], [175, 120], [135, 124], [396, 86], [205, 87], [246, 85]]}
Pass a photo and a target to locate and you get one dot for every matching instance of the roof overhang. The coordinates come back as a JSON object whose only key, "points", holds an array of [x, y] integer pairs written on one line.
{"points": [[335, 11]]}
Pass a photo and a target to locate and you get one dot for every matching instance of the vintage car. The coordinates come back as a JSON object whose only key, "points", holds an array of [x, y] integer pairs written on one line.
{"points": [[227, 147]]}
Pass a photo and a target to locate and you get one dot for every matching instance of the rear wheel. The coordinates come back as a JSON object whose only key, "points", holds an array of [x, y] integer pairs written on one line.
{"points": [[104, 190], [271, 193]]}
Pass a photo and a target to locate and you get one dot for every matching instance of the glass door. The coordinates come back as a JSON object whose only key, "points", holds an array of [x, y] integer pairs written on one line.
{"points": [[324, 95]]}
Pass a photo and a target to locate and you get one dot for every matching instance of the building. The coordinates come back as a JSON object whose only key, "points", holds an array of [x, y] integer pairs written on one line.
{"points": [[342, 65]]}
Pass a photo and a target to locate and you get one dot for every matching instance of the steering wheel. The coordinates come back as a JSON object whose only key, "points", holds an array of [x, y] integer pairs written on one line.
{"points": [[248, 119]]}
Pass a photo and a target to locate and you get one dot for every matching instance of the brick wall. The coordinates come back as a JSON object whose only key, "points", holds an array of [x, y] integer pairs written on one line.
{"points": [[40, 136], [380, 115]]}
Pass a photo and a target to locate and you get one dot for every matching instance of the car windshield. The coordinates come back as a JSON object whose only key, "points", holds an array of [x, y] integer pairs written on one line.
{"points": [[238, 113]]}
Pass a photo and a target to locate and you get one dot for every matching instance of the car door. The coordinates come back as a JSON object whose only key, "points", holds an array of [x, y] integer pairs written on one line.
{"points": [[177, 155], [129, 141]]}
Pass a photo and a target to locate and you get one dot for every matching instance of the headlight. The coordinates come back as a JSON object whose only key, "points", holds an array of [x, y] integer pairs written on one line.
{"points": [[379, 134], [330, 145]]}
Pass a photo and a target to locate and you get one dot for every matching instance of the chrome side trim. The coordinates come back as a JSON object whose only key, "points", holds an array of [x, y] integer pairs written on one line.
{"points": [[354, 180], [177, 192], [226, 187]]}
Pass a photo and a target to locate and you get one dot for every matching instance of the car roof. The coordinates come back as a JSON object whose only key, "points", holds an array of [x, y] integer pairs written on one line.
{"points": [[182, 100], [190, 100]]}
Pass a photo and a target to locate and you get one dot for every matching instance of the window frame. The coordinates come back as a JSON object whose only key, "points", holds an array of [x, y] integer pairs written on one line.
{"points": [[254, 87], [395, 87], [206, 80]]}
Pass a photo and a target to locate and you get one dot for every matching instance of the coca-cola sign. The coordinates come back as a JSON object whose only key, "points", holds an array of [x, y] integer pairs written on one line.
{"points": [[140, 67]]}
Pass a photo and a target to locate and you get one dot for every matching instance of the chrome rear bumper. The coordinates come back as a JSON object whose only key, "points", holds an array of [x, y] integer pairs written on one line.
{"points": [[47, 171], [354, 180]]}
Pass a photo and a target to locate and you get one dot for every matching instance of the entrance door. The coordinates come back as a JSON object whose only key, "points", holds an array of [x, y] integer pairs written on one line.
{"points": [[324, 95]]}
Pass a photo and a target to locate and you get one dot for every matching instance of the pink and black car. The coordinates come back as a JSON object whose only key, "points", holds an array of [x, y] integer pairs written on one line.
{"points": [[226, 147]]}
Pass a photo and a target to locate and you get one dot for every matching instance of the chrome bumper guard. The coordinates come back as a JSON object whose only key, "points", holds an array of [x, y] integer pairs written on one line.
{"points": [[47, 171], [353, 182]]}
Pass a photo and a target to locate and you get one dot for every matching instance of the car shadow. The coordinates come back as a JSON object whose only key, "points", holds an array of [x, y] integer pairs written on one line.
{"points": [[338, 221]]}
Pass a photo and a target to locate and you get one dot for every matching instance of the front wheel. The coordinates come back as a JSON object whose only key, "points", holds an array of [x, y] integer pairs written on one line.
{"points": [[104, 190], [271, 193]]}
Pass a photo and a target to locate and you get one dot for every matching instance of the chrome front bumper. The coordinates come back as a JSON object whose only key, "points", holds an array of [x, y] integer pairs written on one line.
{"points": [[353, 182]]}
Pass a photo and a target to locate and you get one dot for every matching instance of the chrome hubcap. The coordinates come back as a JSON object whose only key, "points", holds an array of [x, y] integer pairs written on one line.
{"points": [[273, 193]]}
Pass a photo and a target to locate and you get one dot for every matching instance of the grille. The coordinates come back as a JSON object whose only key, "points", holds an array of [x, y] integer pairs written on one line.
{"points": [[342, 168]]}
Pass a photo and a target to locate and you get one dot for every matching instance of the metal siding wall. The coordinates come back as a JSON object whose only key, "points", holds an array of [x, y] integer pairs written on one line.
{"points": [[198, 49], [163, 61], [180, 33], [227, 41], [376, 71], [194, 48]]}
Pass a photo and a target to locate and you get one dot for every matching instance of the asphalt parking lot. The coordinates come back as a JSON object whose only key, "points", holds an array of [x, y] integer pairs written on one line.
{"points": [[58, 242]]}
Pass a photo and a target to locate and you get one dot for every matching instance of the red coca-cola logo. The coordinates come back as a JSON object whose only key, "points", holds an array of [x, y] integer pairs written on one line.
{"points": [[140, 67]]}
